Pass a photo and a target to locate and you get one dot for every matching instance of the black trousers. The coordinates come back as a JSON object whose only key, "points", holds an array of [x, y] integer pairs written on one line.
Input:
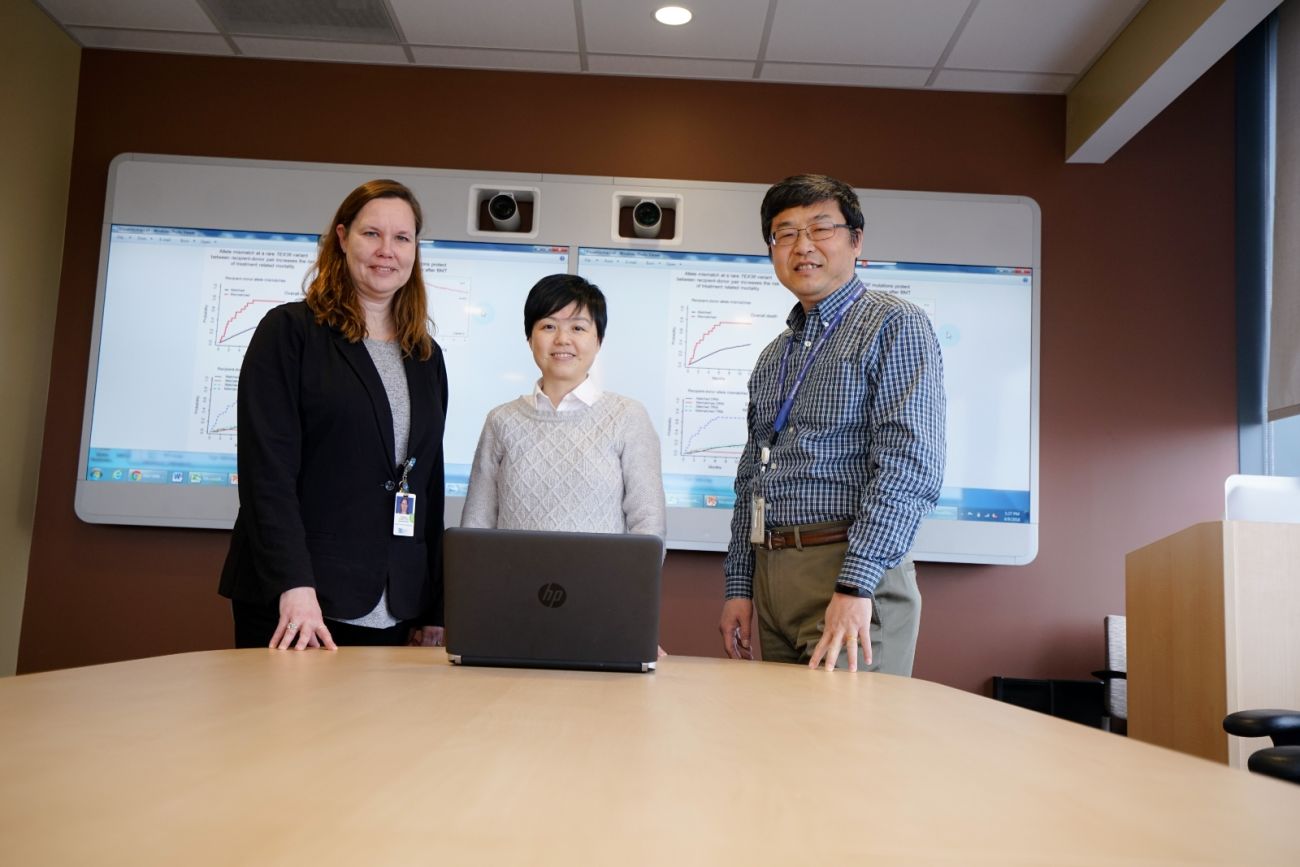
{"points": [[255, 624]]}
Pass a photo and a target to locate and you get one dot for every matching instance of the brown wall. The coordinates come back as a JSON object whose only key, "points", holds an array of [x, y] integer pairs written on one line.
{"points": [[1138, 386]]}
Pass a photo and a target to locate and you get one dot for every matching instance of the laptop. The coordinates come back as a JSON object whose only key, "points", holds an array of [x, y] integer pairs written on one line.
{"points": [[534, 599]]}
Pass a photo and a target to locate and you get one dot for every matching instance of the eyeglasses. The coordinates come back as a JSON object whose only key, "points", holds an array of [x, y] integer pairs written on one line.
{"points": [[816, 232]]}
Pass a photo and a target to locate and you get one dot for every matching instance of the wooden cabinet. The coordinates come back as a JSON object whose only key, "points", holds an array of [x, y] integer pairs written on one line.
{"points": [[1213, 627]]}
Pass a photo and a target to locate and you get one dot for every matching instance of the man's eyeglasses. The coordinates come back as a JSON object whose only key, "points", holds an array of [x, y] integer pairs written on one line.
{"points": [[816, 232]]}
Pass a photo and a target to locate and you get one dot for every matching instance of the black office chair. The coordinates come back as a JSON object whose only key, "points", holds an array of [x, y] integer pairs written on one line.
{"points": [[1282, 760]]}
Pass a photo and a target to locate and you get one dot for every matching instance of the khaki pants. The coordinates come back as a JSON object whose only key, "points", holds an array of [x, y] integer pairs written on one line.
{"points": [[792, 588]]}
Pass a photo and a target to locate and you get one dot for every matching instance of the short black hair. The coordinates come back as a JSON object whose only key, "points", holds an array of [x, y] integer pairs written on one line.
{"points": [[553, 293], [799, 191]]}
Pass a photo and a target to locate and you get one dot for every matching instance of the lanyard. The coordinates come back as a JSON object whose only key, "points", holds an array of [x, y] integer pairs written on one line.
{"points": [[783, 415], [406, 471]]}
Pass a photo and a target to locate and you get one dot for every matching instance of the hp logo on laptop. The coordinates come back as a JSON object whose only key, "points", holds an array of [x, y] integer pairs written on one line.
{"points": [[552, 595]]}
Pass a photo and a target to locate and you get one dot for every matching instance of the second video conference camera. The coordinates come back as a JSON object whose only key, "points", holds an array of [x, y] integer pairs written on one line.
{"points": [[647, 216], [504, 211]]}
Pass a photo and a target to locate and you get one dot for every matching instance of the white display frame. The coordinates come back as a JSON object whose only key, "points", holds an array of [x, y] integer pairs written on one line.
{"points": [[271, 196]]}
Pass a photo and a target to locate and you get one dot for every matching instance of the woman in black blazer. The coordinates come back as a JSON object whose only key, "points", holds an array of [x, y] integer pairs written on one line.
{"points": [[342, 400]]}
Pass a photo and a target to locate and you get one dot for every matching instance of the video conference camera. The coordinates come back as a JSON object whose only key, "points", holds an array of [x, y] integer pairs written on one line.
{"points": [[647, 217], [504, 211]]}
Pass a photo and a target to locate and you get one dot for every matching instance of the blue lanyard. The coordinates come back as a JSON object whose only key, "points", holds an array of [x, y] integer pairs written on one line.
{"points": [[783, 415]]}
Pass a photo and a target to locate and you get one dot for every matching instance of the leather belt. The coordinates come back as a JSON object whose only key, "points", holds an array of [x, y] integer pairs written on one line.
{"points": [[796, 538]]}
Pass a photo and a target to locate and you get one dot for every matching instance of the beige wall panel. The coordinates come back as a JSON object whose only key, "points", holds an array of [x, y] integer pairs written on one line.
{"points": [[39, 66]]}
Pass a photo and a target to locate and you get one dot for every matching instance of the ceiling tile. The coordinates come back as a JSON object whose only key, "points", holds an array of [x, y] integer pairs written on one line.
{"points": [[486, 58], [542, 25], [726, 29], [875, 32], [669, 67], [1061, 36], [297, 49], [861, 76], [1034, 46], [150, 40], [138, 14], [1002, 82]]}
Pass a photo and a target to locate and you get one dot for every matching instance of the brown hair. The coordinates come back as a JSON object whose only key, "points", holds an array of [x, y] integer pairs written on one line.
{"points": [[332, 296]]}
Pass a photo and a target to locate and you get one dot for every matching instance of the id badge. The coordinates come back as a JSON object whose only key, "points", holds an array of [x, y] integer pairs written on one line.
{"points": [[758, 520], [404, 515]]}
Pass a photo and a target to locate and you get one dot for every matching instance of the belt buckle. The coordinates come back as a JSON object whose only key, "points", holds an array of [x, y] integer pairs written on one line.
{"points": [[774, 541]]}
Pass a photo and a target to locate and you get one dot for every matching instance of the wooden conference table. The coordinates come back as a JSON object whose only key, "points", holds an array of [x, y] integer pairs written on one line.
{"points": [[392, 756]]}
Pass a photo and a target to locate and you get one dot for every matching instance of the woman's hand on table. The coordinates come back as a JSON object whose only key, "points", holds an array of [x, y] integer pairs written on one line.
{"points": [[301, 623]]}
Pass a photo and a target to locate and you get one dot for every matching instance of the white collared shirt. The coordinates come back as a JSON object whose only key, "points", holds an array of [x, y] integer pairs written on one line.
{"points": [[584, 395]]}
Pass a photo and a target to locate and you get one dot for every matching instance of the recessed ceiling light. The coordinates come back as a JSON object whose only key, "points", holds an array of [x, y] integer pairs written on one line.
{"points": [[673, 15]]}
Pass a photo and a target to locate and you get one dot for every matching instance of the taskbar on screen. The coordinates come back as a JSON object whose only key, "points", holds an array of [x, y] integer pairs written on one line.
{"points": [[139, 466]]}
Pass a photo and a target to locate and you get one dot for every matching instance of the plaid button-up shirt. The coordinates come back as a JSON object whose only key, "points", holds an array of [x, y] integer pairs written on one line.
{"points": [[865, 441]]}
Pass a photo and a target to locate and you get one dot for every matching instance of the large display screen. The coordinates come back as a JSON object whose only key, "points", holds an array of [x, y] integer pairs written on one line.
{"points": [[703, 318], [480, 326], [195, 251], [179, 308]]}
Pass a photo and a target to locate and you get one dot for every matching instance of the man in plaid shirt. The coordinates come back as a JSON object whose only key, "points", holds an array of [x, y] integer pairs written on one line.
{"points": [[845, 452]]}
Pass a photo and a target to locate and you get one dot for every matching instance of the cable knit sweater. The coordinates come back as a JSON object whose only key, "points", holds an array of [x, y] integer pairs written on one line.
{"points": [[594, 469]]}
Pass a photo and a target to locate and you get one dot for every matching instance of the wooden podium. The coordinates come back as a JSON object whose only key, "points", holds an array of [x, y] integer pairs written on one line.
{"points": [[1213, 627]]}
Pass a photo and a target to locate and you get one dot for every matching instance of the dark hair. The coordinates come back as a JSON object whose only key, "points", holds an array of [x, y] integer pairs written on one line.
{"points": [[554, 293], [332, 296], [799, 191]]}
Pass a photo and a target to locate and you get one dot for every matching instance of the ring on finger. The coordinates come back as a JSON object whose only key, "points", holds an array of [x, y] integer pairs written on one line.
{"points": [[292, 626]]}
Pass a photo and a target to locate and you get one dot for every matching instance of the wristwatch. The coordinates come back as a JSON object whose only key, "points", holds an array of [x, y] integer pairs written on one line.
{"points": [[852, 590]]}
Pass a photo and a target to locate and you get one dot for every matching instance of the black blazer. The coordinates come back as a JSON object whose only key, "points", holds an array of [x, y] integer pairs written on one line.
{"points": [[317, 475]]}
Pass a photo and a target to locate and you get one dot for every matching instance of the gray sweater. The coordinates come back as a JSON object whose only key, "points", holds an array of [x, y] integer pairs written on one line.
{"points": [[594, 470]]}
